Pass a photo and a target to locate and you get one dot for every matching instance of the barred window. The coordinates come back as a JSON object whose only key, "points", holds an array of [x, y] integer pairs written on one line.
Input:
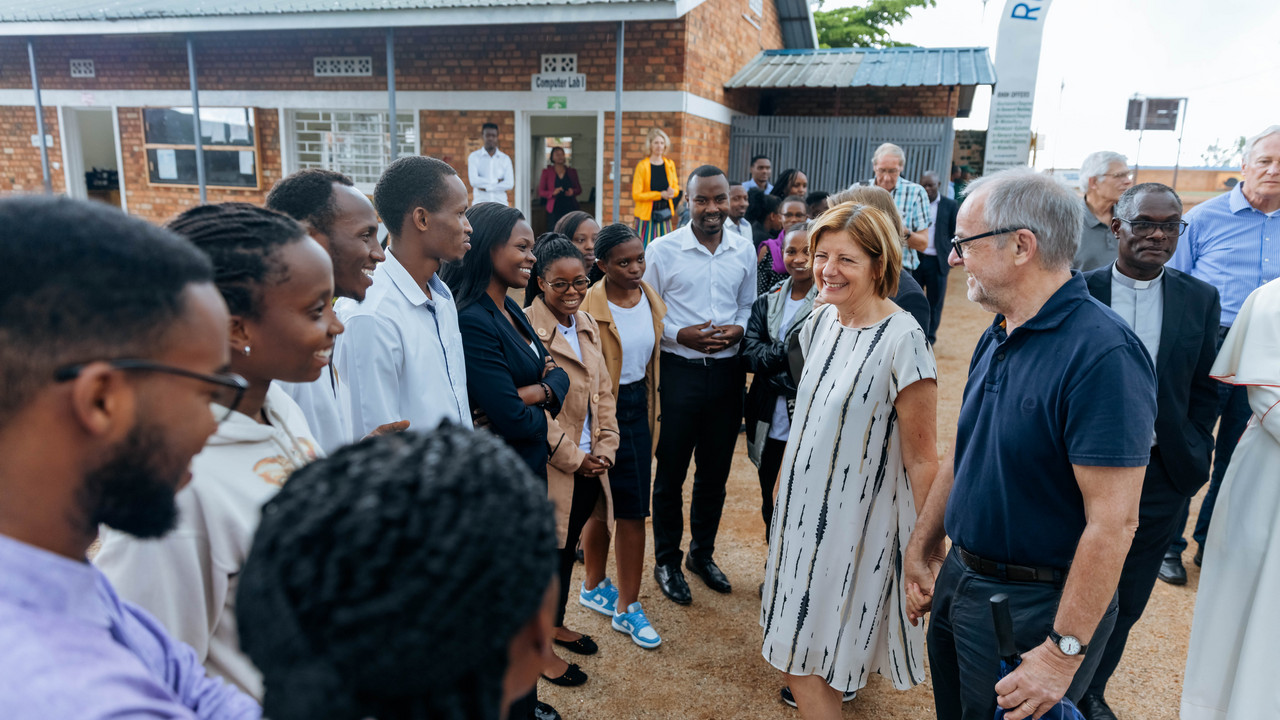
{"points": [[353, 142]]}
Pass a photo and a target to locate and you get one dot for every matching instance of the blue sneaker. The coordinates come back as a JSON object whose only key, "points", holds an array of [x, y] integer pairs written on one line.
{"points": [[634, 623], [603, 598]]}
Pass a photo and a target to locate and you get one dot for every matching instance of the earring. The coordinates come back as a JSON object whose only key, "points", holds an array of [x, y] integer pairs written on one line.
{"points": [[246, 351]]}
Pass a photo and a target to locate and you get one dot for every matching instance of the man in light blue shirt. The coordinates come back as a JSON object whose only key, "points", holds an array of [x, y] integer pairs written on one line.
{"points": [[401, 357], [113, 341], [1232, 243], [761, 169]]}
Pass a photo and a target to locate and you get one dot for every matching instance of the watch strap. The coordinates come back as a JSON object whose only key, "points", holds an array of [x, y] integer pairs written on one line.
{"points": [[1056, 639]]}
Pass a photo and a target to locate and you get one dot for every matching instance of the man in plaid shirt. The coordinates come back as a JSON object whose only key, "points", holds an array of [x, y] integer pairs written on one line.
{"points": [[911, 199]]}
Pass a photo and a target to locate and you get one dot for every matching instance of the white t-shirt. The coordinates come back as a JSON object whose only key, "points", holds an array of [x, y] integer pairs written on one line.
{"points": [[635, 329], [571, 334], [780, 427]]}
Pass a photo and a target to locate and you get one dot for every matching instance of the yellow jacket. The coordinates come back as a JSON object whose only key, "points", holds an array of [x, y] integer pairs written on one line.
{"points": [[645, 197]]}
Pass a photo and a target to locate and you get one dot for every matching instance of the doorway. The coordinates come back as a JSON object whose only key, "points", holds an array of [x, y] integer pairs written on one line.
{"points": [[579, 136], [91, 154]]}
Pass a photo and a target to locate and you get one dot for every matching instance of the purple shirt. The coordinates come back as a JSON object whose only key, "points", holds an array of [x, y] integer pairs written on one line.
{"points": [[69, 647]]}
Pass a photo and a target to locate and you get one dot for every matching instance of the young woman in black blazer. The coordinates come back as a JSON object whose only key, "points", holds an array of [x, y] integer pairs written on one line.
{"points": [[510, 375]]}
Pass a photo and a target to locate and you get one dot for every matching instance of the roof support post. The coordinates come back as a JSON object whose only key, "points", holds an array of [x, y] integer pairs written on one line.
{"points": [[391, 92], [195, 119], [44, 147], [617, 125]]}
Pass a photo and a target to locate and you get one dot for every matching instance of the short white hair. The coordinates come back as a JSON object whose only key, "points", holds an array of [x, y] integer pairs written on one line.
{"points": [[889, 149], [1248, 144], [1021, 197], [1097, 164]]}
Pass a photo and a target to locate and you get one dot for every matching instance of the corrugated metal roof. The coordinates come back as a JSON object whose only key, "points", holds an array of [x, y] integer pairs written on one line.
{"points": [[867, 67], [73, 10]]}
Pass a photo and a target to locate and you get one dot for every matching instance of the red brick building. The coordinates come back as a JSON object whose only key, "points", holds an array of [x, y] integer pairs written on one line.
{"points": [[289, 85]]}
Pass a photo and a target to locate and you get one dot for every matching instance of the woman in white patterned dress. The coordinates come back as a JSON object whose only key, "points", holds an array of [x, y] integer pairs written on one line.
{"points": [[860, 460]]}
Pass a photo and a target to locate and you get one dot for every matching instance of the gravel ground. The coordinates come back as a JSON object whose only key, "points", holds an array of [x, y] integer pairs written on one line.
{"points": [[709, 666]]}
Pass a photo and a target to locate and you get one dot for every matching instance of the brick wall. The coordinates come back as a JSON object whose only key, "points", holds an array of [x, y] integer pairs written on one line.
{"points": [[930, 101], [721, 41], [158, 203], [452, 135], [706, 142], [969, 147], [20, 169]]}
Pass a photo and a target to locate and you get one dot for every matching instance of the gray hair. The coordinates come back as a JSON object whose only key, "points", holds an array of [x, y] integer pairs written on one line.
{"points": [[1096, 165], [1125, 206], [1021, 197], [889, 149], [1248, 145]]}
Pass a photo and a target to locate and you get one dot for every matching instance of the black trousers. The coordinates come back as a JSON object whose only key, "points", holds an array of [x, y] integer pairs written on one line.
{"points": [[701, 415], [586, 492], [770, 464], [963, 659], [930, 276], [1157, 522]]}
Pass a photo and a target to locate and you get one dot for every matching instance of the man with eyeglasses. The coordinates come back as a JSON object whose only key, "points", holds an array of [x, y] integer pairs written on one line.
{"points": [[113, 345], [1040, 491], [1232, 243], [912, 202], [1176, 317], [1104, 175]]}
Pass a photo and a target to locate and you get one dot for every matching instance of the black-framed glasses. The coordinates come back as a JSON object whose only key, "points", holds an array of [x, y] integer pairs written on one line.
{"points": [[560, 286], [231, 387], [958, 243], [1144, 228]]}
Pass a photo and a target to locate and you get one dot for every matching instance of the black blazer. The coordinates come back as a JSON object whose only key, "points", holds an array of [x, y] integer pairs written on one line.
{"points": [[499, 361], [1186, 397], [911, 298], [944, 228]]}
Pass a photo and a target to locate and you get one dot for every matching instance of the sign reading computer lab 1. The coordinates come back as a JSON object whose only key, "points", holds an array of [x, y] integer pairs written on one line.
{"points": [[559, 82], [1013, 98]]}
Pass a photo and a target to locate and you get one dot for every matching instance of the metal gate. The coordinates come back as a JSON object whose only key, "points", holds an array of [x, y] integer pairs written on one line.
{"points": [[835, 152]]}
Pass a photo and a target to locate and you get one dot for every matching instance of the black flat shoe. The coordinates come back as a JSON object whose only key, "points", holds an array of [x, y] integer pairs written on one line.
{"points": [[572, 677], [1095, 708], [583, 645], [672, 583], [1172, 571], [710, 574]]}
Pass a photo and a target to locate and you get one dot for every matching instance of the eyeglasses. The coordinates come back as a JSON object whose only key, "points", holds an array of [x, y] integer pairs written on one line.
{"points": [[561, 285], [1126, 175], [958, 243], [232, 386], [1143, 228]]}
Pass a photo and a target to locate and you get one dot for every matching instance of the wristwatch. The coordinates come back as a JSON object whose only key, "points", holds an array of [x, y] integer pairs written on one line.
{"points": [[1068, 644]]}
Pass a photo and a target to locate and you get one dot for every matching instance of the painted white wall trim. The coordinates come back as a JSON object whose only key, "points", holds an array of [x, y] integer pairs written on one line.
{"points": [[67, 155], [115, 130], [571, 13], [591, 101]]}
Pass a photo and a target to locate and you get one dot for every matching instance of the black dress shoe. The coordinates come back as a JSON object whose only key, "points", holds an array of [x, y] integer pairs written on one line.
{"points": [[1095, 708], [1171, 570], [672, 582], [1199, 558], [543, 711], [710, 574]]}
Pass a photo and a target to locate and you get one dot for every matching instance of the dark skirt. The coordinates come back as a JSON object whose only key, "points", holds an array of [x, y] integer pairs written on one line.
{"points": [[630, 475]]}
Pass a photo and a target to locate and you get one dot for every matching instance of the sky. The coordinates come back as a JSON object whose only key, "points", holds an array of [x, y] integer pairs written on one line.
{"points": [[1222, 55]]}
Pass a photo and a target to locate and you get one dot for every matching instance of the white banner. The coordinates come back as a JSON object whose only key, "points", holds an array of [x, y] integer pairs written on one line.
{"points": [[1013, 98]]}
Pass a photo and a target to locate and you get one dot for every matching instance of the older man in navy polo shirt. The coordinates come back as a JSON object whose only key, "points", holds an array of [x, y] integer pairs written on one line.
{"points": [[1040, 492]]}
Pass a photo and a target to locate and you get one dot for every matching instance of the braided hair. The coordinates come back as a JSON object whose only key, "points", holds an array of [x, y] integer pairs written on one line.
{"points": [[547, 249], [491, 226], [388, 580], [242, 240]]}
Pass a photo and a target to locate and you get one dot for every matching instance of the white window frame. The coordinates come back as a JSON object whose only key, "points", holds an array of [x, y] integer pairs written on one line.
{"points": [[294, 164]]}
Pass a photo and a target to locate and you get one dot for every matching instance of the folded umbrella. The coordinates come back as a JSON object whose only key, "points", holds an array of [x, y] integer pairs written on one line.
{"points": [[1010, 659]]}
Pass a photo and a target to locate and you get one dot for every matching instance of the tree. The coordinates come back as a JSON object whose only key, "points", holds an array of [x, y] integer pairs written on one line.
{"points": [[865, 25], [1229, 155]]}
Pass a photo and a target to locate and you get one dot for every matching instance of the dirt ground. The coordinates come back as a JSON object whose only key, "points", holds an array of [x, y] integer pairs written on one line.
{"points": [[709, 666]]}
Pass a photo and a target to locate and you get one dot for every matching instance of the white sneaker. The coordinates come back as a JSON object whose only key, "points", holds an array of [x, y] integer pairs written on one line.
{"points": [[636, 624]]}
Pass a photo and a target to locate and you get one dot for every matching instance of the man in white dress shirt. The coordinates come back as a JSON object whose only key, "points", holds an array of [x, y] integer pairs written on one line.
{"points": [[489, 170], [707, 278], [401, 356], [738, 202], [341, 219]]}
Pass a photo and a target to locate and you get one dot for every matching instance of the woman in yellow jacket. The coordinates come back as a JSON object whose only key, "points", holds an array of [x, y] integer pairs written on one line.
{"points": [[654, 188], [629, 314]]}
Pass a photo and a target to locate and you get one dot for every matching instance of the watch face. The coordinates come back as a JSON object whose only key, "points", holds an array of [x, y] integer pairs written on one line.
{"points": [[1069, 645]]}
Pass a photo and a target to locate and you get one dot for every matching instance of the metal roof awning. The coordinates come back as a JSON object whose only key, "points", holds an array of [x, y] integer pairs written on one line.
{"points": [[866, 67]]}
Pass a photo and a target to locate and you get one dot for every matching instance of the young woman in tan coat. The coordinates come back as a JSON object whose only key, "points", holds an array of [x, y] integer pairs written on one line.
{"points": [[629, 314], [583, 438]]}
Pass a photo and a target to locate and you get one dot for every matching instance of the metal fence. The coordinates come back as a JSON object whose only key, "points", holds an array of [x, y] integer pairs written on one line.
{"points": [[835, 152]]}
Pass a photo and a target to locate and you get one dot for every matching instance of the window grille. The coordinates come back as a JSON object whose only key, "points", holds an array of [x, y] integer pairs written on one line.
{"points": [[566, 63], [352, 66], [82, 69], [352, 142]]}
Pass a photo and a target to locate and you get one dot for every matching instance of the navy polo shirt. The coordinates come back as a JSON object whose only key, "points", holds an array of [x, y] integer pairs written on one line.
{"points": [[1071, 386]]}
